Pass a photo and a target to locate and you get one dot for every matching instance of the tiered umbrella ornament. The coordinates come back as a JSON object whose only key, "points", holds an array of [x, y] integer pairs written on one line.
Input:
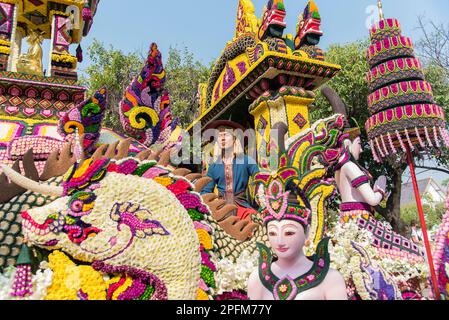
{"points": [[404, 116]]}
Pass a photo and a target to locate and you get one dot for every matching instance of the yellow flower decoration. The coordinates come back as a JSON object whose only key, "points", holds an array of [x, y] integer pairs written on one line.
{"points": [[70, 125], [65, 58], [69, 280], [81, 170], [202, 296], [5, 43], [5, 50], [136, 120], [205, 239], [164, 181]]}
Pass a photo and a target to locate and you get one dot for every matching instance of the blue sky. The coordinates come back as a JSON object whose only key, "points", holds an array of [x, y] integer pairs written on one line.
{"points": [[204, 26]]}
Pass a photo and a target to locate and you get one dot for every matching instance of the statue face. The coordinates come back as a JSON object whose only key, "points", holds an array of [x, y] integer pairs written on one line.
{"points": [[287, 238], [356, 148]]}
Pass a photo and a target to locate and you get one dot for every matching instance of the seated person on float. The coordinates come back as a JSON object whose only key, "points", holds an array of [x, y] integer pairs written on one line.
{"points": [[231, 169]]}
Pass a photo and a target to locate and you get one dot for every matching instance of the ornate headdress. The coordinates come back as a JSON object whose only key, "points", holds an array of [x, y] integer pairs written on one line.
{"points": [[284, 199], [279, 206]]}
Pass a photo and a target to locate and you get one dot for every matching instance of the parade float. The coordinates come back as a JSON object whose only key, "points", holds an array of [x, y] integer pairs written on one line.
{"points": [[87, 214]]}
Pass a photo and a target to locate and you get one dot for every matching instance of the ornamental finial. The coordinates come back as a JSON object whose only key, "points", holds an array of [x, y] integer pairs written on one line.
{"points": [[381, 12]]}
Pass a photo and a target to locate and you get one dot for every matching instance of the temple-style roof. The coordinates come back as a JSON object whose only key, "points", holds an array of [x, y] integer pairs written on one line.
{"points": [[260, 58], [36, 15]]}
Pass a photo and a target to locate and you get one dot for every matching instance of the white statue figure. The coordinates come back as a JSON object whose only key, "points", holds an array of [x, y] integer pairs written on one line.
{"points": [[292, 276], [360, 196], [353, 181]]}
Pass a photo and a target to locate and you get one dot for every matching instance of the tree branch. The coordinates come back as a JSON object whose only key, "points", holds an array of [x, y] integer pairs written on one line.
{"points": [[433, 168]]}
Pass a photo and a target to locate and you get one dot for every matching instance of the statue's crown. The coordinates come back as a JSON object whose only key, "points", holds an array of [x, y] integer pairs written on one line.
{"points": [[284, 199]]}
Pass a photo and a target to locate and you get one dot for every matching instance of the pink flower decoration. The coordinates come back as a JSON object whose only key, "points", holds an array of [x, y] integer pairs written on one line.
{"points": [[428, 137], [435, 136], [321, 263], [379, 148], [412, 147], [391, 143], [282, 196], [311, 278], [385, 147]]}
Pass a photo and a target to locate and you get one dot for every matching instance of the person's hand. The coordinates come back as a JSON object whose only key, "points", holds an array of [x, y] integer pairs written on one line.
{"points": [[381, 183], [380, 186]]}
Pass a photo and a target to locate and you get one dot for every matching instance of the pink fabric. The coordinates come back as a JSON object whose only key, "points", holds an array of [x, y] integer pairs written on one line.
{"points": [[351, 206]]}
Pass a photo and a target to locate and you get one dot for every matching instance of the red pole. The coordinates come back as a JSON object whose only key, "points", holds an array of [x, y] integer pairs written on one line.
{"points": [[423, 225]]}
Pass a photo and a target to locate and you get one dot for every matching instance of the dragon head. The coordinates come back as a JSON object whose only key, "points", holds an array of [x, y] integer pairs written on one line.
{"points": [[123, 213], [101, 213], [308, 29], [273, 23]]}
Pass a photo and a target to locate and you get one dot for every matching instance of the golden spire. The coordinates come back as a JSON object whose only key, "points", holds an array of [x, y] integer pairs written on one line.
{"points": [[381, 12], [246, 18]]}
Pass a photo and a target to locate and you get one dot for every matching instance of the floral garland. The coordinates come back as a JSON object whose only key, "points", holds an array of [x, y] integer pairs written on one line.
{"points": [[234, 276], [5, 50], [41, 281], [64, 58], [347, 261], [5, 43]]}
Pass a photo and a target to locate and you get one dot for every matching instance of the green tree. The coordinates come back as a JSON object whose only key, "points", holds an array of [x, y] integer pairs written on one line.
{"points": [[436, 75], [433, 214], [351, 85], [433, 48], [184, 75], [114, 69], [445, 183]]}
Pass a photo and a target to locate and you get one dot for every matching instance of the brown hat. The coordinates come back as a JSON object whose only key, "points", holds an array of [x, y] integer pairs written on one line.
{"points": [[224, 123]]}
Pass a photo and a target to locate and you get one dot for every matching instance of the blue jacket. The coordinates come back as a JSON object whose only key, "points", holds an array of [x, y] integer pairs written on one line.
{"points": [[244, 167]]}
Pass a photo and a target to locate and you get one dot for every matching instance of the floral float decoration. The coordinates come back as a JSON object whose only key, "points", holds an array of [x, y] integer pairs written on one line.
{"points": [[85, 119], [158, 251], [358, 260], [401, 103], [404, 117], [441, 255], [145, 108]]}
